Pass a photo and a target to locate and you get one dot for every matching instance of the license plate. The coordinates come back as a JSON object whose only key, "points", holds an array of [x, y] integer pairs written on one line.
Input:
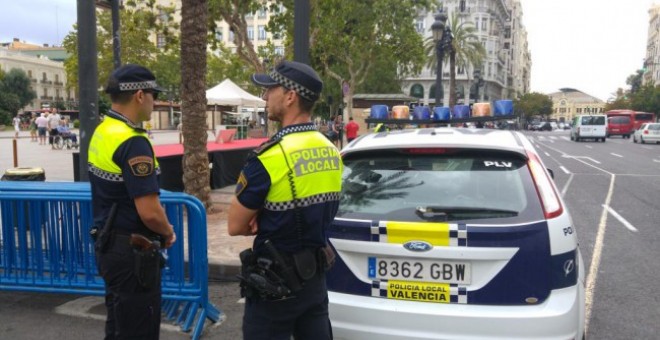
{"points": [[425, 270]]}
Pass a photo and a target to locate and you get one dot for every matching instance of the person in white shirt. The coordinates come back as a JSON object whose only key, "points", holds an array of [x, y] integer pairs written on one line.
{"points": [[17, 125], [53, 122], [42, 126]]}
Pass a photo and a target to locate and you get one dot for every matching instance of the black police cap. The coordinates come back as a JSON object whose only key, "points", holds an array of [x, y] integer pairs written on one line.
{"points": [[294, 76], [131, 77]]}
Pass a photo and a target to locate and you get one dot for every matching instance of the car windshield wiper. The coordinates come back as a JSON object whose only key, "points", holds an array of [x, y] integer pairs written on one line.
{"points": [[442, 213]]}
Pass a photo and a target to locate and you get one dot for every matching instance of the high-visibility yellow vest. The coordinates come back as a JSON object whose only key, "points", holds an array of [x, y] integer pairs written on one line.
{"points": [[108, 136], [310, 162]]}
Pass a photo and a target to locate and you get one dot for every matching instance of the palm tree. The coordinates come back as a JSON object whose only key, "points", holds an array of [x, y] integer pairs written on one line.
{"points": [[196, 173], [466, 50]]}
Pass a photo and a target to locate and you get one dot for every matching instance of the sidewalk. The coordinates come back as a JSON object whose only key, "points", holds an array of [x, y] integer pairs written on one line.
{"points": [[223, 250]]}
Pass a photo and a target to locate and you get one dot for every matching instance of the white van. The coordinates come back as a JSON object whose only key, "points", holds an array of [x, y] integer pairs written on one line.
{"points": [[589, 126]]}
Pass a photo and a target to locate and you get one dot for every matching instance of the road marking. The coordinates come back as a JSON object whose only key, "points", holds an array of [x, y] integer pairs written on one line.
{"points": [[591, 159], [588, 146], [615, 154], [547, 154], [597, 253], [621, 219], [81, 308], [241, 300], [566, 138], [565, 188], [564, 170], [647, 147], [657, 161]]}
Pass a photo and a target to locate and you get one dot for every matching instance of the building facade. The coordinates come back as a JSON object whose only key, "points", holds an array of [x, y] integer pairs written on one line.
{"points": [[505, 71], [652, 60], [48, 77], [568, 103]]}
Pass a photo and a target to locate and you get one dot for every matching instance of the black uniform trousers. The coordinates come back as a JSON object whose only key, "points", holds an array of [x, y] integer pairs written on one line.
{"points": [[305, 316], [133, 311]]}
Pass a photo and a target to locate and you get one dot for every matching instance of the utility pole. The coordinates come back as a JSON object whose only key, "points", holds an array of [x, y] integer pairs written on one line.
{"points": [[301, 31], [87, 80]]}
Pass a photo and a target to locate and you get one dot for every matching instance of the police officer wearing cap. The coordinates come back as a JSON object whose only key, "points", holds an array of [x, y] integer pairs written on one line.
{"points": [[287, 194], [123, 173]]}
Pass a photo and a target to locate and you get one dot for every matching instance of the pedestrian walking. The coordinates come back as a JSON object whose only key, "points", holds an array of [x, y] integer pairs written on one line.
{"points": [[33, 127], [17, 125], [123, 173], [287, 194], [42, 127], [352, 129]]}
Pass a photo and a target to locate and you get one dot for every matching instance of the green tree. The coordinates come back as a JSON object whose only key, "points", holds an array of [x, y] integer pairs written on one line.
{"points": [[620, 101], [635, 81], [140, 22], [533, 104], [646, 98], [348, 37], [466, 50], [15, 93], [196, 172]]}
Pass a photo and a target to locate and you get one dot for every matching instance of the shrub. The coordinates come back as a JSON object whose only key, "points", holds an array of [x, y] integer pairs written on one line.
{"points": [[76, 124]]}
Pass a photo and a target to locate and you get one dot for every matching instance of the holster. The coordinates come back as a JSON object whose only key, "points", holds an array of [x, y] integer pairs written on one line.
{"points": [[258, 279], [326, 257], [148, 264]]}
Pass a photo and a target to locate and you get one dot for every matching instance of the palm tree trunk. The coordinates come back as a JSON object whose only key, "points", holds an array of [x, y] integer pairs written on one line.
{"points": [[452, 78], [193, 99]]}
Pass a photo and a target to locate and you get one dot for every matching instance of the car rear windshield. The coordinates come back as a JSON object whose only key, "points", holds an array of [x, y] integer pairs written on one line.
{"points": [[593, 120], [438, 185], [654, 127]]}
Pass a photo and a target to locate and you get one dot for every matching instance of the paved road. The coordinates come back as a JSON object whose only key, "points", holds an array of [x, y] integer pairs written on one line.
{"points": [[612, 190]]}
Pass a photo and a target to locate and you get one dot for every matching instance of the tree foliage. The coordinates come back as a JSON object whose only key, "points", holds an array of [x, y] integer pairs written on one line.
{"points": [[15, 93], [349, 40], [639, 97], [466, 50], [533, 104]]}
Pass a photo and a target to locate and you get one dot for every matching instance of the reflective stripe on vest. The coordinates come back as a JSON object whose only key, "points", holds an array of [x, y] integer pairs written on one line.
{"points": [[315, 169], [108, 136]]}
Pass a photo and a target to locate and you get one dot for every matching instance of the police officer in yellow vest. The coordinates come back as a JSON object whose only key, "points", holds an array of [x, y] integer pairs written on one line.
{"points": [[287, 195], [123, 173]]}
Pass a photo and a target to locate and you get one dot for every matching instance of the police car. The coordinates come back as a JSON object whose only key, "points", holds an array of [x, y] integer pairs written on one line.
{"points": [[452, 233]]}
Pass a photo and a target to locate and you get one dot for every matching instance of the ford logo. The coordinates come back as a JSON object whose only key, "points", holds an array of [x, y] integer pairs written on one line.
{"points": [[417, 246]]}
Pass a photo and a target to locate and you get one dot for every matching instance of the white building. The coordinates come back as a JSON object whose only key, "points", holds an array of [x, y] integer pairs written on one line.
{"points": [[506, 68], [652, 60], [47, 76]]}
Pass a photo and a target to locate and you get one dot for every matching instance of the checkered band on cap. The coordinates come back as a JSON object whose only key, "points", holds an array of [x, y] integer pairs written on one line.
{"points": [[139, 85], [292, 85]]}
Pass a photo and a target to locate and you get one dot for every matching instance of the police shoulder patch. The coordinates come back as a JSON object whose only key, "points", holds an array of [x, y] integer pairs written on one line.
{"points": [[141, 165], [266, 145], [241, 184]]}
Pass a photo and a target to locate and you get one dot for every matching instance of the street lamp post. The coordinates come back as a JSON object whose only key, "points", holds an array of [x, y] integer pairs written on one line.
{"points": [[442, 37], [479, 81]]}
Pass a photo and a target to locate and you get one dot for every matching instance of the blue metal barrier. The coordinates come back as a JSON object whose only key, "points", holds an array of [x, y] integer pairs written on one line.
{"points": [[45, 247]]}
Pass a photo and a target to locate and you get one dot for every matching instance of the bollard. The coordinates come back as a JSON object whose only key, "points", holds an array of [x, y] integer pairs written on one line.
{"points": [[15, 148]]}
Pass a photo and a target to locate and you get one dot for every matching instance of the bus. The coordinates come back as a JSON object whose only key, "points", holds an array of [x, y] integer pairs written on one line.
{"points": [[625, 122]]}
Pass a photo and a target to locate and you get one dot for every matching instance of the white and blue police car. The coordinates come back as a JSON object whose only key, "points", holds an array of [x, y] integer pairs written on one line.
{"points": [[452, 233]]}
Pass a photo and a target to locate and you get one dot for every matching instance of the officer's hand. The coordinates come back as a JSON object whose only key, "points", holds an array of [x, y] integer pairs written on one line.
{"points": [[170, 239], [253, 225]]}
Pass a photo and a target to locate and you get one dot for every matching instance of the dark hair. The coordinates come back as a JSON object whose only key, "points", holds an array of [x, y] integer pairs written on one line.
{"points": [[118, 97], [305, 105], [121, 97]]}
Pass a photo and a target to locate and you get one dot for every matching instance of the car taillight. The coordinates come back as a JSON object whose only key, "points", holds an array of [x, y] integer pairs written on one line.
{"points": [[646, 132], [546, 191]]}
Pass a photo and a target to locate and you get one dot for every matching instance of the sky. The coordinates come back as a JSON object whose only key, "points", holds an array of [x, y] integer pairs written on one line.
{"points": [[589, 45]]}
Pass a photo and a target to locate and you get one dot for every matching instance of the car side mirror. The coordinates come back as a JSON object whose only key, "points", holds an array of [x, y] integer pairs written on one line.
{"points": [[552, 173]]}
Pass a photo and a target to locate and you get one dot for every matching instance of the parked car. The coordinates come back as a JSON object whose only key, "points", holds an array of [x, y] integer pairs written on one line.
{"points": [[452, 233], [589, 127], [648, 132]]}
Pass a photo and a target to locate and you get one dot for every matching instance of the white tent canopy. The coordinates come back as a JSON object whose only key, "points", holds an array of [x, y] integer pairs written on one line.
{"points": [[228, 93]]}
